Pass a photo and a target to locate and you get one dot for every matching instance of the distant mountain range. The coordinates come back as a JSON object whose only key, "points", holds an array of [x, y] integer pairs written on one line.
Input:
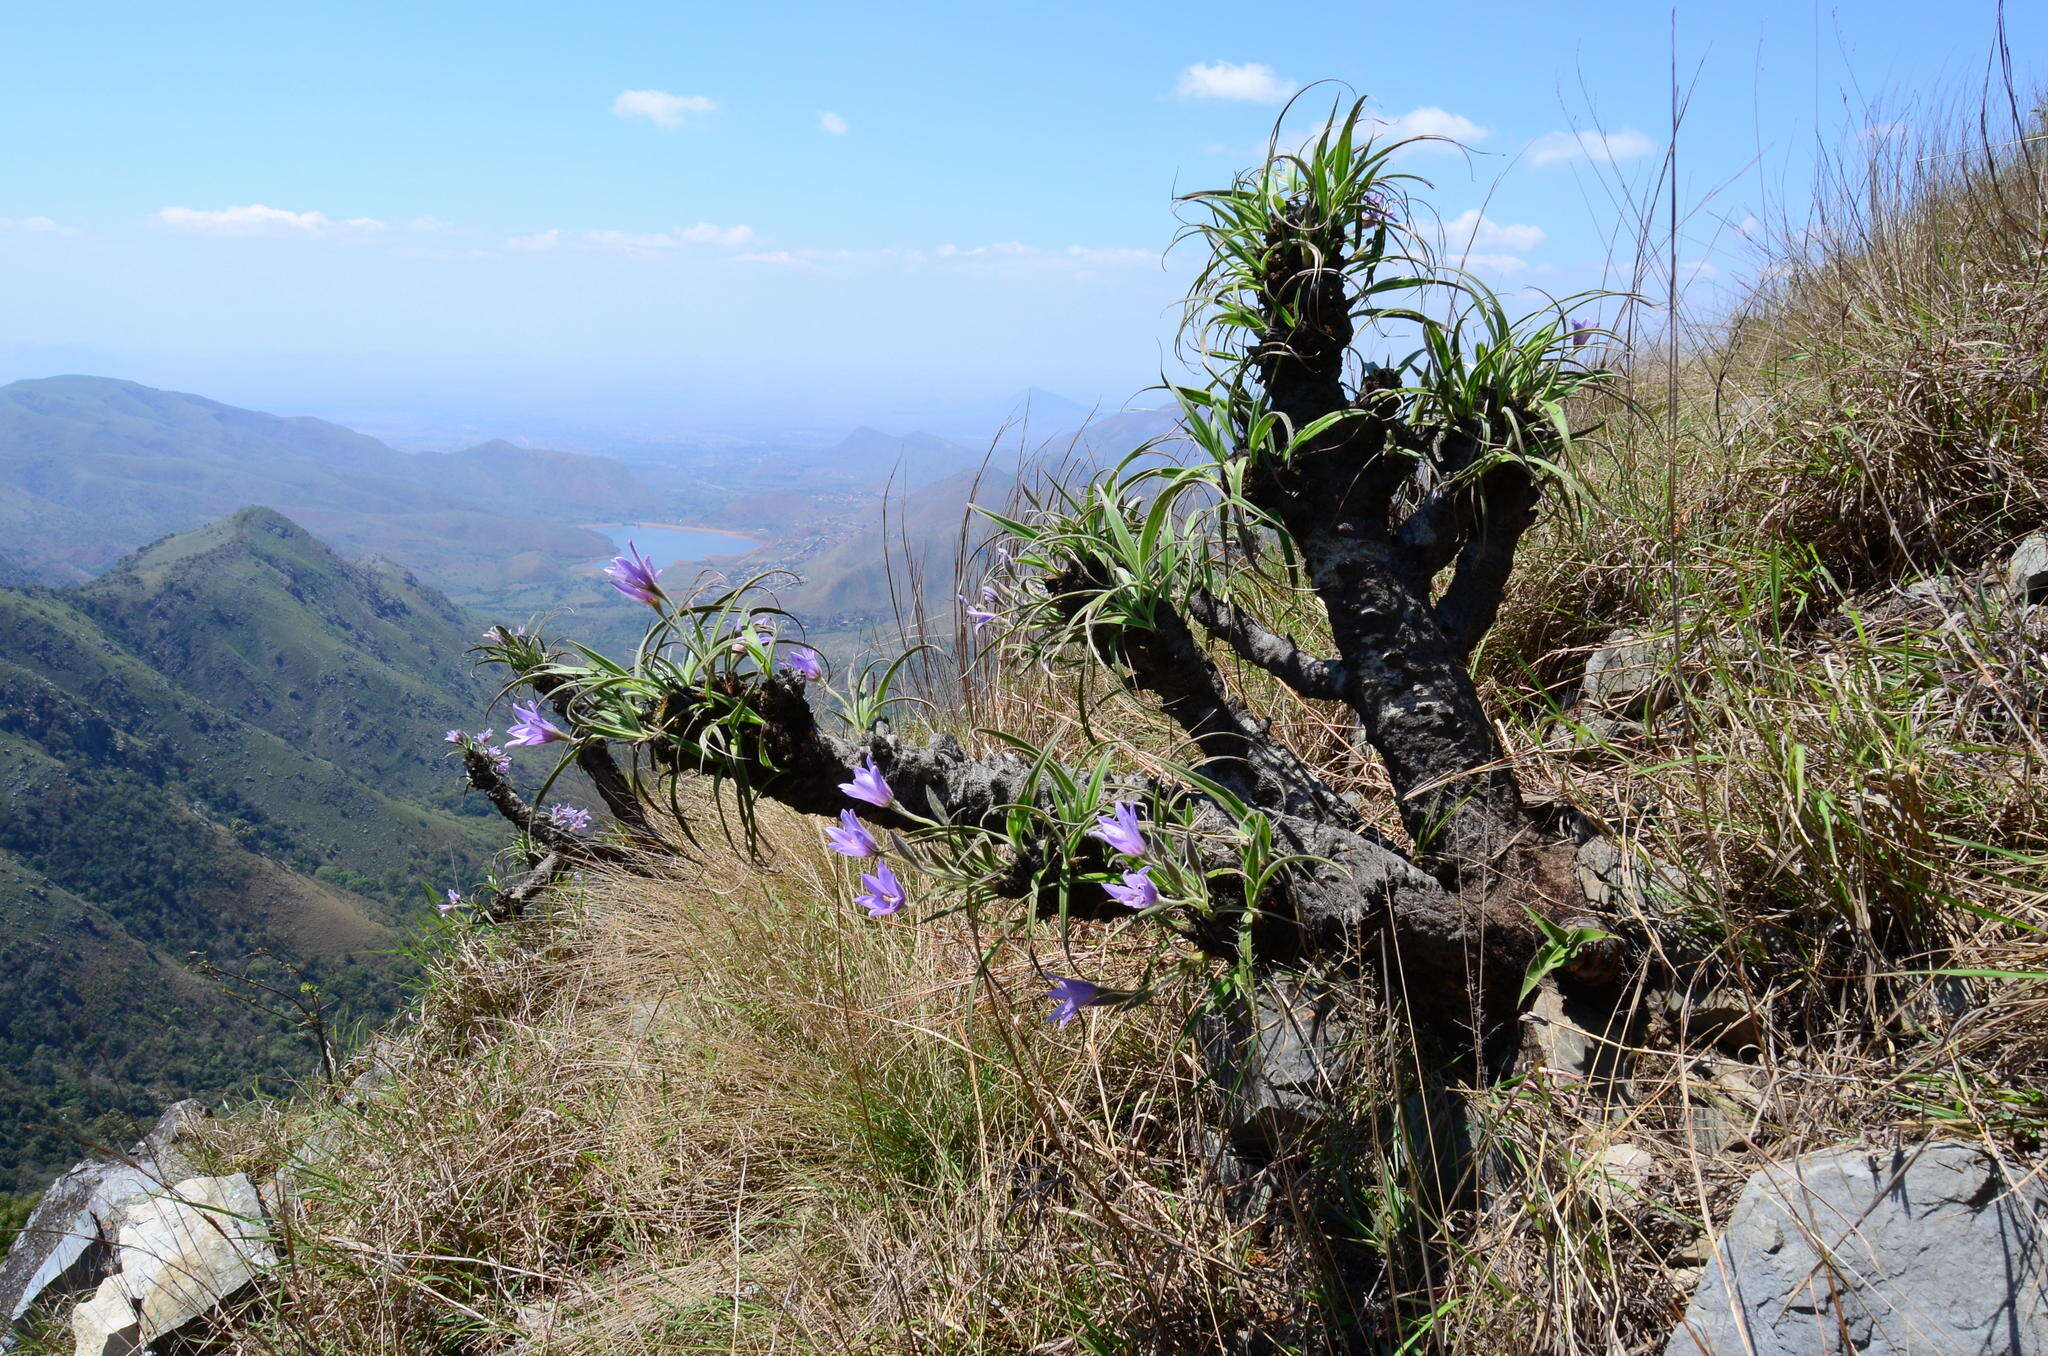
{"points": [[230, 742], [912, 544], [93, 467]]}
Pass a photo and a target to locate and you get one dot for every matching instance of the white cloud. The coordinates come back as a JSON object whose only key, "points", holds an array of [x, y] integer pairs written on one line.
{"points": [[1471, 229], [1432, 121], [1249, 82], [833, 123], [1089, 254], [632, 242], [36, 225], [256, 219], [659, 107], [1013, 256], [1749, 228], [1558, 148], [1504, 265]]}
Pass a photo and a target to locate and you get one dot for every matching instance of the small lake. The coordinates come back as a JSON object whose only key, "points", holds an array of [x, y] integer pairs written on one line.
{"points": [[666, 545]]}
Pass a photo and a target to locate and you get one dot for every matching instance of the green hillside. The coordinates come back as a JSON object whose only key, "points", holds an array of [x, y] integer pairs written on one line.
{"points": [[230, 745], [256, 616], [93, 467]]}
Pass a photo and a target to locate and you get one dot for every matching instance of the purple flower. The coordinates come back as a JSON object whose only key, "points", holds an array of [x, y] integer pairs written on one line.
{"points": [[1137, 891], [881, 893], [501, 761], [851, 838], [1582, 332], [867, 785], [633, 575], [532, 729], [989, 594], [1119, 829], [569, 819], [454, 903], [454, 736], [1069, 996], [803, 661], [980, 616]]}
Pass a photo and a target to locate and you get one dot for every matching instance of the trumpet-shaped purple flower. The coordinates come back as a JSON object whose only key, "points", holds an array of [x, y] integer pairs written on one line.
{"points": [[634, 575], [1069, 996], [881, 893], [455, 737], [980, 616], [804, 662], [1137, 890], [867, 785], [454, 903], [1120, 829], [532, 729], [1582, 332], [851, 838], [569, 818], [501, 761]]}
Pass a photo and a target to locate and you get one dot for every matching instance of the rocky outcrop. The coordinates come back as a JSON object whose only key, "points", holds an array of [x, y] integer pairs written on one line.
{"points": [[182, 1253], [155, 1243], [68, 1244], [1924, 1251], [1280, 1069]]}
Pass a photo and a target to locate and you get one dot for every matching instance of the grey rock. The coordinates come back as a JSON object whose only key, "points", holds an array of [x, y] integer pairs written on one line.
{"points": [[1623, 882], [1724, 1105], [107, 1324], [1586, 1044], [1598, 732], [1619, 1175], [1720, 1013], [2026, 574], [1935, 590], [1924, 1251], [1280, 1070], [189, 1249], [1621, 676], [67, 1246]]}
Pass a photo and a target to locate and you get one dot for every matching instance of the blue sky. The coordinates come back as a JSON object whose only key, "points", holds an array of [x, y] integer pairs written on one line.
{"points": [[668, 219]]}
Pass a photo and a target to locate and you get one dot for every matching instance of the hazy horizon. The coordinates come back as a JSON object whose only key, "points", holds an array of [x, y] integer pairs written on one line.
{"points": [[624, 225]]}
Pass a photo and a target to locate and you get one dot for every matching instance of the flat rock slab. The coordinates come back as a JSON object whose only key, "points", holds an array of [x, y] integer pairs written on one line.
{"points": [[67, 1245], [107, 1324], [1925, 1251], [192, 1247]]}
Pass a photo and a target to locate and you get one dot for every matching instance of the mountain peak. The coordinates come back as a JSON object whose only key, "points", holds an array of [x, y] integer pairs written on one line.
{"points": [[259, 518], [493, 447]]}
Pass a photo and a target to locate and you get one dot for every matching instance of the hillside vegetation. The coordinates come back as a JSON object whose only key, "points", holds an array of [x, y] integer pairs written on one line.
{"points": [[228, 745], [702, 1104], [92, 468]]}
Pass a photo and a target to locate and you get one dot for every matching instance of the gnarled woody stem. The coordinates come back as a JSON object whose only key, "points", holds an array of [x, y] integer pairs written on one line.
{"points": [[1350, 899]]}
